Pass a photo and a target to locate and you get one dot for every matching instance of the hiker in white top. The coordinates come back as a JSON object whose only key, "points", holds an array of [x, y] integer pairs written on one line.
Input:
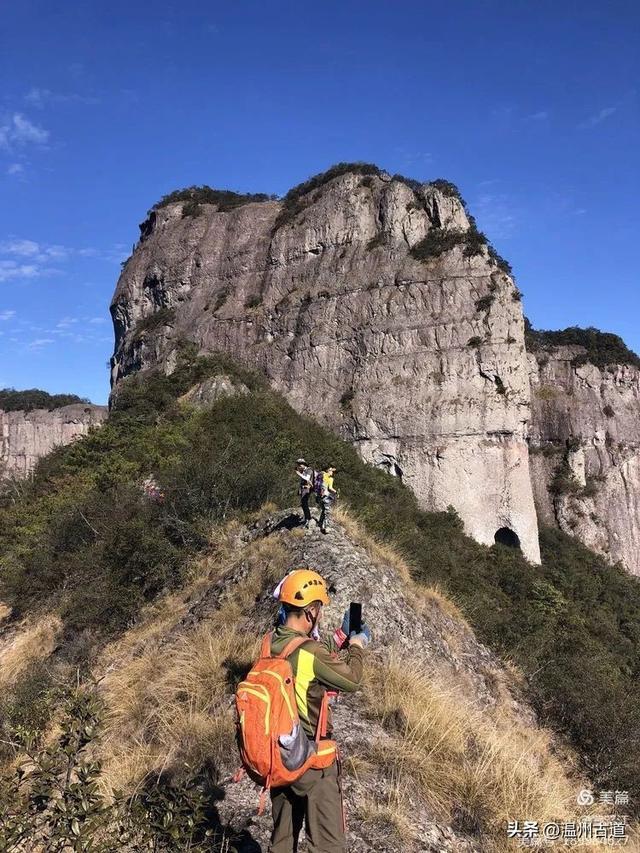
{"points": [[305, 487]]}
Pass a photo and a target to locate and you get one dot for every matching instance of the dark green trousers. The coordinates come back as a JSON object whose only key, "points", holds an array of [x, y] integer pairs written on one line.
{"points": [[313, 801]]}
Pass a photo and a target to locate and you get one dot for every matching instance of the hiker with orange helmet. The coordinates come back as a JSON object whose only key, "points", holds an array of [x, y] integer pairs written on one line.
{"points": [[312, 798], [315, 798]]}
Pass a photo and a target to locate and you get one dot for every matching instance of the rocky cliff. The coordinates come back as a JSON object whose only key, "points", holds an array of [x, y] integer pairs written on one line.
{"points": [[374, 305], [585, 450], [26, 436]]}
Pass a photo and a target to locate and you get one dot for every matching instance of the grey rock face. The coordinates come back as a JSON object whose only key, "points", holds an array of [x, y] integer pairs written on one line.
{"points": [[586, 427], [355, 331], [27, 436]]}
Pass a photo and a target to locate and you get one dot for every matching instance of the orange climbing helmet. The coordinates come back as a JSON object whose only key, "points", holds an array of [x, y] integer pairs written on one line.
{"points": [[301, 587]]}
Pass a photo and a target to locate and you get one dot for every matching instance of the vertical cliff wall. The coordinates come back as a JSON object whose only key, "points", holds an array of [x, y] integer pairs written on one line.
{"points": [[372, 304], [26, 436], [585, 450]]}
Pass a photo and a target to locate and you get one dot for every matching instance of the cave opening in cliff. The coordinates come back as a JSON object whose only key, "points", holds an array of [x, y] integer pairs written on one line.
{"points": [[508, 537]]}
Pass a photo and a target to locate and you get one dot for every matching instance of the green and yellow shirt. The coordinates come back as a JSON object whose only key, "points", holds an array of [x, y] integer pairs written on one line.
{"points": [[316, 669]]}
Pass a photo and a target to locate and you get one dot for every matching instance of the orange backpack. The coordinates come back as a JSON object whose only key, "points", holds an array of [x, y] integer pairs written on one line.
{"points": [[266, 707]]}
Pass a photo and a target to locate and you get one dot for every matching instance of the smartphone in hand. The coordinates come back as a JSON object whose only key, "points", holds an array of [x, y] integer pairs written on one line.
{"points": [[355, 617]]}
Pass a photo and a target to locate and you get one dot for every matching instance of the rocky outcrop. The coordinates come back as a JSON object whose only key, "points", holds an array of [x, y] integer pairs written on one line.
{"points": [[585, 450], [412, 349], [26, 436]]}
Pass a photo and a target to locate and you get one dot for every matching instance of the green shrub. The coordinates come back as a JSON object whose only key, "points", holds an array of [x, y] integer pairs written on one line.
{"points": [[546, 392], [346, 399], [298, 197], [473, 241], [564, 481], [500, 262], [26, 709], [322, 178], [85, 538], [152, 322], [448, 189], [591, 486], [221, 298], [192, 209], [194, 196], [436, 243], [414, 185], [54, 801], [549, 449], [485, 302], [25, 401], [500, 386], [601, 348]]}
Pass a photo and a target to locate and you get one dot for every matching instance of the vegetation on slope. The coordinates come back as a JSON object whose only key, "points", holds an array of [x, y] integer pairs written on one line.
{"points": [[296, 198], [84, 541], [152, 322], [194, 197], [293, 200], [473, 242], [602, 348], [33, 398]]}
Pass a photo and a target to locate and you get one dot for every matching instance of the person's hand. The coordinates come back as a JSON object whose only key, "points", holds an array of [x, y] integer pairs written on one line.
{"points": [[341, 634], [362, 639]]}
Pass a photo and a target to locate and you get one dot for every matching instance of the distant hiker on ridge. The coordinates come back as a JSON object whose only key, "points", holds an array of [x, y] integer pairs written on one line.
{"points": [[285, 742], [305, 487], [326, 495]]}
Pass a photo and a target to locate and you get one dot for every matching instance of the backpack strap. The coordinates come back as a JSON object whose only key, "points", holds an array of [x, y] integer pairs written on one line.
{"points": [[291, 646], [321, 726], [265, 648]]}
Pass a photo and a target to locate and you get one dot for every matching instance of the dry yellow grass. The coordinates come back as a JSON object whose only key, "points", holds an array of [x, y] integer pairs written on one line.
{"points": [[358, 766], [34, 642], [169, 710], [388, 813], [471, 769], [168, 705]]}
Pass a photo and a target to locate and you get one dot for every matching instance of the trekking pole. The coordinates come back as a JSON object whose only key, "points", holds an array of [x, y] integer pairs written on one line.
{"points": [[342, 805]]}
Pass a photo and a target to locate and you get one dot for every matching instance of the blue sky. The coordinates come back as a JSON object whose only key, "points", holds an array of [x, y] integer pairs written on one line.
{"points": [[530, 107]]}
